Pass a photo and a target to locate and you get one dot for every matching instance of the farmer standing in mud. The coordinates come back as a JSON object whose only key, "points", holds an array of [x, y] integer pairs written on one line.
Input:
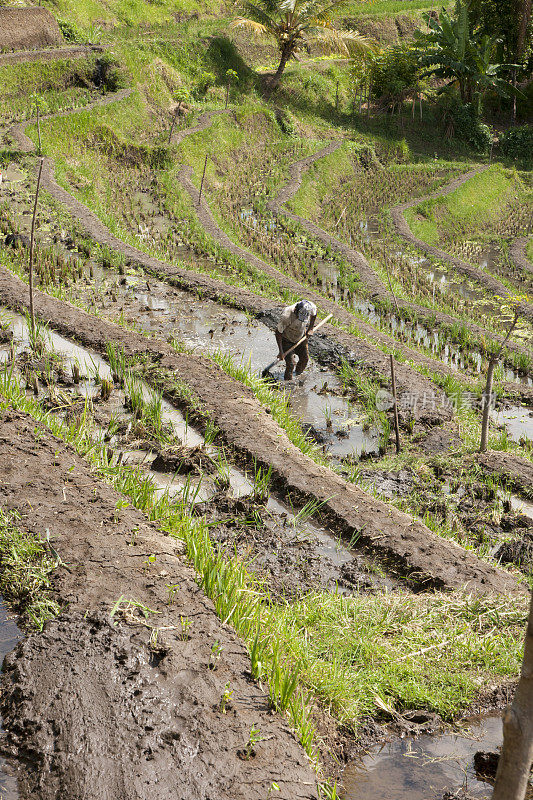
{"points": [[295, 322]]}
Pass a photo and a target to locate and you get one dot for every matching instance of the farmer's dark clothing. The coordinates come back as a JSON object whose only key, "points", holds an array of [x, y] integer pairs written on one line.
{"points": [[302, 352]]}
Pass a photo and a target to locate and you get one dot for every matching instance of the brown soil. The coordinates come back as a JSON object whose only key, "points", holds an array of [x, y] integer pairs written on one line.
{"points": [[403, 542], [24, 28], [143, 720], [489, 283]]}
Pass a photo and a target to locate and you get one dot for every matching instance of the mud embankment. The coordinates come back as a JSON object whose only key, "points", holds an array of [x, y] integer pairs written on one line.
{"points": [[517, 471], [142, 716], [404, 542], [49, 54]]}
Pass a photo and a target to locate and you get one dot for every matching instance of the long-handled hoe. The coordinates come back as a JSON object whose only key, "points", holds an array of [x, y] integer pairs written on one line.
{"points": [[267, 369]]}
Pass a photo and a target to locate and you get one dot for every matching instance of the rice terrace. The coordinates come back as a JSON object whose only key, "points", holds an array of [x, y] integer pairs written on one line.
{"points": [[266, 399]]}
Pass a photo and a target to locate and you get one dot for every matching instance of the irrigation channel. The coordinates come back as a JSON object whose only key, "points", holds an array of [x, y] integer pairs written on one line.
{"points": [[294, 551]]}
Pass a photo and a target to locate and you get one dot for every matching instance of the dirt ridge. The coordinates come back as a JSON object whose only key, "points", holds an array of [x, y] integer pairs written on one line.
{"points": [[49, 54], [519, 255], [398, 539], [517, 470], [141, 721]]}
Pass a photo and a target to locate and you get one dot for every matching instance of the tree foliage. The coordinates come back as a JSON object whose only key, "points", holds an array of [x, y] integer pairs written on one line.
{"points": [[395, 74], [452, 50], [296, 24]]}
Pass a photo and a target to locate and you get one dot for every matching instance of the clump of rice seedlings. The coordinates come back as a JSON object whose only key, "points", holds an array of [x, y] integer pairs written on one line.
{"points": [[27, 565]]}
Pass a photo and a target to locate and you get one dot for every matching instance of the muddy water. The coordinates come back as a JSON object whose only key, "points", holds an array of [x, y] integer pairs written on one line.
{"points": [[424, 767], [9, 636], [333, 555], [316, 397]]}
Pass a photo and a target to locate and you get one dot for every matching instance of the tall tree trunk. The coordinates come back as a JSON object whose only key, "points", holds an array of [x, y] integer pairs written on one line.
{"points": [[525, 8], [517, 752], [286, 53]]}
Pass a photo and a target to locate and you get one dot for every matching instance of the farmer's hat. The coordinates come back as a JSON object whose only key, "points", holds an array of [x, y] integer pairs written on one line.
{"points": [[304, 310]]}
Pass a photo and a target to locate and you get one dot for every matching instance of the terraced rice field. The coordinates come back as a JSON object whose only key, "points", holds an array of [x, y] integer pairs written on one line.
{"points": [[241, 586]]}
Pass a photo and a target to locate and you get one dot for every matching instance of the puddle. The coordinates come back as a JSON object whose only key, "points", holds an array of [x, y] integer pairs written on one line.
{"points": [[521, 506], [517, 420], [425, 767], [9, 636]]}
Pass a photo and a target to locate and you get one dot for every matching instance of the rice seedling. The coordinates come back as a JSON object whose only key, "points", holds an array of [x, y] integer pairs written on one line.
{"points": [[216, 652], [253, 739], [226, 698]]}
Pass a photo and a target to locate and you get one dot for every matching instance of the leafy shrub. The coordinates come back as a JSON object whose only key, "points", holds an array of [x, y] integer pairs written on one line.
{"points": [[203, 83], [71, 33], [471, 129], [461, 121], [517, 143], [395, 74], [107, 73]]}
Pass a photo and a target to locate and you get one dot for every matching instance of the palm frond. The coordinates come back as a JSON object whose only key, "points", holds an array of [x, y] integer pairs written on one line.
{"points": [[255, 28], [328, 40]]}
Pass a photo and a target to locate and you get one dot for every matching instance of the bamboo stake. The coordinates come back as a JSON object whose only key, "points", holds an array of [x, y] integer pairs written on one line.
{"points": [[32, 239], [202, 182], [396, 425]]}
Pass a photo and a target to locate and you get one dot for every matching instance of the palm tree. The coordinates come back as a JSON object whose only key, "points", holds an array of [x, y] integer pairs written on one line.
{"points": [[295, 24]]}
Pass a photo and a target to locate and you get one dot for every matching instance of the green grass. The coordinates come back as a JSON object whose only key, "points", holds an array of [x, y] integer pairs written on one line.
{"points": [[480, 202], [529, 250], [389, 7], [58, 85], [409, 651]]}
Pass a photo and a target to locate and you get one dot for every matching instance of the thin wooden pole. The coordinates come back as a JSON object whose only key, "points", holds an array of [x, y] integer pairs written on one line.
{"points": [[202, 182], [395, 399], [174, 118], [32, 239], [39, 129]]}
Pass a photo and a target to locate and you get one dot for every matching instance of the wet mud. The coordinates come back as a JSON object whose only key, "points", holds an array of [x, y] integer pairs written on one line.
{"points": [[180, 463]]}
